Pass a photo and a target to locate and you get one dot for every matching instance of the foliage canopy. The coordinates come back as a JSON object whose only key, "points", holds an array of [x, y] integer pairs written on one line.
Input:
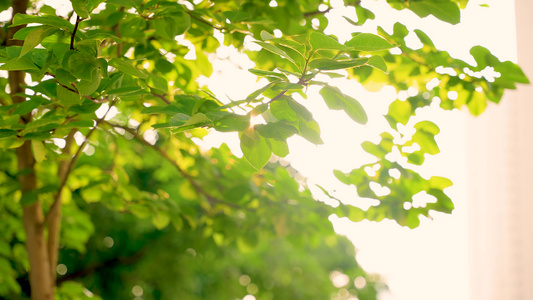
{"points": [[98, 114]]}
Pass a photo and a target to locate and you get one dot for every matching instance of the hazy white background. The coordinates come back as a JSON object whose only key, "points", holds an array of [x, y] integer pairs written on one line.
{"points": [[430, 262]]}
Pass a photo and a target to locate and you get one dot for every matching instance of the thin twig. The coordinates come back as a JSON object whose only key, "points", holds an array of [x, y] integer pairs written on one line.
{"points": [[278, 96], [161, 97], [207, 23], [78, 20], [301, 81]]}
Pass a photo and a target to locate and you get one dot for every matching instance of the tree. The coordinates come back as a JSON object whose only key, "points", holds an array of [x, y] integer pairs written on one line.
{"points": [[99, 111]]}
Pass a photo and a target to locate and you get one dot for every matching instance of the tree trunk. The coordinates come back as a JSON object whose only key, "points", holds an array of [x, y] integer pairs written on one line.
{"points": [[42, 284]]}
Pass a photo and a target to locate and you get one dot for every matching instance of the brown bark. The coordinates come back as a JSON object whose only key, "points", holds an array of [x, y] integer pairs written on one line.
{"points": [[42, 286], [53, 219]]}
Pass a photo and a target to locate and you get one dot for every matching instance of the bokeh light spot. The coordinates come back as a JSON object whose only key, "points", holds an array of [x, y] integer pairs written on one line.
{"points": [[245, 280], [61, 269]]}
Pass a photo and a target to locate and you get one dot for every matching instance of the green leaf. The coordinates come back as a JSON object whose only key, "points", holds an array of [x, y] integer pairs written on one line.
{"points": [[86, 107], [310, 131], [141, 211], [82, 65], [78, 124], [476, 102], [232, 122], [377, 62], [286, 86], [268, 74], [336, 100], [27, 106], [368, 42], [198, 120], [35, 37], [67, 97], [127, 67], [40, 135], [363, 14], [399, 112], [81, 7], [64, 77], [444, 10], [276, 50], [331, 64], [169, 110], [179, 119], [440, 183], [276, 130], [160, 219], [126, 90], [171, 25], [265, 35], [22, 19], [4, 133], [279, 148], [39, 151], [319, 40], [255, 149], [19, 63], [87, 87]]}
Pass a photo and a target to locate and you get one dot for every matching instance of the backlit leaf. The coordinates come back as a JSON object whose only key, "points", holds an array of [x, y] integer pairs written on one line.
{"points": [[335, 99], [255, 148], [321, 41], [445, 10], [368, 42], [127, 67]]}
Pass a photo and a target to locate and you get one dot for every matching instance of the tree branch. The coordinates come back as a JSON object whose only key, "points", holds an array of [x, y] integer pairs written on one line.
{"points": [[54, 215], [211, 199]]}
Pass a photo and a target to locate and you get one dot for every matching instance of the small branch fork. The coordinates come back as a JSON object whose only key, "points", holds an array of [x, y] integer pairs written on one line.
{"points": [[302, 81]]}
